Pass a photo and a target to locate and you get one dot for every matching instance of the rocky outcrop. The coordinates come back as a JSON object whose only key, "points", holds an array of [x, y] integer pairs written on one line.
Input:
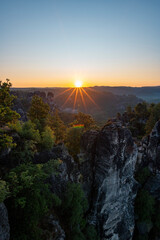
{"points": [[4, 224], [52, 229], [108, 169], [153, 148], [149, 150], [67, 168]]}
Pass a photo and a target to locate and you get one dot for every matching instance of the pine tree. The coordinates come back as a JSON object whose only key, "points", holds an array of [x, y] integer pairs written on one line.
{"points": [[39, 112], [57, 125]]}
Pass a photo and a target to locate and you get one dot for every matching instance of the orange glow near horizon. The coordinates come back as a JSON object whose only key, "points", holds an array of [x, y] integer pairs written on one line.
{"points": [[84, 104], [75, 92], [112, 82], [42, 80], [78, 84]]}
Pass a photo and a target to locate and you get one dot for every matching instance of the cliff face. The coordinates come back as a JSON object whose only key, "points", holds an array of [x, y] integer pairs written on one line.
{"points": [[110, 156], [153, 148], [4, 224], [149, 150]]}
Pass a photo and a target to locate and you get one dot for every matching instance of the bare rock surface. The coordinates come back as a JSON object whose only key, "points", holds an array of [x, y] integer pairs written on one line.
{"points": [[110, 158], [4, 224]]}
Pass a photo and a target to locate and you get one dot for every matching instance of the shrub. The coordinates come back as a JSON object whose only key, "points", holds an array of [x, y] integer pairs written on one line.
{"points": [[48, 139], [144, 206], [4, 191], [38, 112], [143, 175], [30, 200], [73, 208], [72, 140]]}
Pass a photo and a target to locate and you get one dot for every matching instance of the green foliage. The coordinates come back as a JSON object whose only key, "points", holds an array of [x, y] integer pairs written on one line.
{"points": [[38, 112], [30, 141], [6, 141], [57, 126], [144, 206], [72, 140], [143, 175], [150, 123], [72, 212], [153, 118], [4, 191], [30, 199], [84, 119], [29, 132], [48, 139], [73, 208], [7, 115], [90, 233], [29, 138], [141, 110], [143, 118]]}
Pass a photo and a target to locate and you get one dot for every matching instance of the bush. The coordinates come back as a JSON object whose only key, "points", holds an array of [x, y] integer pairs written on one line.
{"points": [[48, 139], [4, 191], [144, 206], [143, 175], [57, 125], [72, 140], [29, 132], [90, 233], [30, 200], [6, 141], [74, 205], [7, 115], [38, 112]]}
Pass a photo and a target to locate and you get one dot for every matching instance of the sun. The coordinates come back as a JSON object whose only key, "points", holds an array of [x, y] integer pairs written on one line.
{"points": [[78, 84]]}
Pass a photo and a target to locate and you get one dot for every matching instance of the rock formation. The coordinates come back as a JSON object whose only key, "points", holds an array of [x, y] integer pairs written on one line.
{"points": [[108, 170], [4, 224]]}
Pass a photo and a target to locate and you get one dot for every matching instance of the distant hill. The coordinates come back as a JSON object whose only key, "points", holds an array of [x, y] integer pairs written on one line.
{"points": [[100, 104], [149, 94]]}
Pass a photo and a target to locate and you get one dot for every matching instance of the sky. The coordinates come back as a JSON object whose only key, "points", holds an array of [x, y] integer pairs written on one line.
{"points": [[52, 43]]}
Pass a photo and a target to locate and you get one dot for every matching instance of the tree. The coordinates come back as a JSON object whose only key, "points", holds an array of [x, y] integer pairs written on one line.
{"points": [[4, 191], [154, 110], [143, 175], [144, 206], [29, 139], [84, 119], [30, 199], [7, 115], [72, 141], [38, 112], [150, 123], [57, 125], [48, 139], [74, 205], [141, 110]]}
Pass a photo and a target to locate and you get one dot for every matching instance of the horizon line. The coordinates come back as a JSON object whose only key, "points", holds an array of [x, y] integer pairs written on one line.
{"points": [[91, 87]]}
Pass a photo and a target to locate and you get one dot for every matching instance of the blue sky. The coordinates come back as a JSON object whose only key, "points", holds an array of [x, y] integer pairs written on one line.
{"points": [[105, 42]]}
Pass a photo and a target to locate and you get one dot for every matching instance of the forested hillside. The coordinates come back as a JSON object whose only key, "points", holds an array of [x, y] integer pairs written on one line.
{"points": [[63, 176]]}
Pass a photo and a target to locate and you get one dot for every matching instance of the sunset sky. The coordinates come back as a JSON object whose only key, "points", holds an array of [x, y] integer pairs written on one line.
{"points": [[51, 43]]}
